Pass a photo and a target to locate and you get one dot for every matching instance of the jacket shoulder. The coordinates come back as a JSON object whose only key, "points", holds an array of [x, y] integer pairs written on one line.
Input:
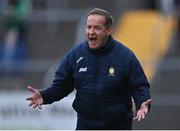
{"points": [[123, 52], [76, 50]]}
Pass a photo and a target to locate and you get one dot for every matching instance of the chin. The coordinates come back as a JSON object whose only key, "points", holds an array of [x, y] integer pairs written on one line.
{"points": [[93, 47]]}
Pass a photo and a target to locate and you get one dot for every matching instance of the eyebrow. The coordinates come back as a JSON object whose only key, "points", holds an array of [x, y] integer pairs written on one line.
{"points": [[96, 25]]}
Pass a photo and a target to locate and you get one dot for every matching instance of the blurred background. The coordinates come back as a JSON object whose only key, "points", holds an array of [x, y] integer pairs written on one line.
{"points": [[35, 35]]}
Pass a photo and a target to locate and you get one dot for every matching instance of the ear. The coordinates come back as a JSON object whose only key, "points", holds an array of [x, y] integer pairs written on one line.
{"points": [[109, 30]]}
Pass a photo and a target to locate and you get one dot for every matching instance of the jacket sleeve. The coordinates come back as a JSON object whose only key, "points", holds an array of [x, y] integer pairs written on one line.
{"points": [[139, 84], [63, 82]]}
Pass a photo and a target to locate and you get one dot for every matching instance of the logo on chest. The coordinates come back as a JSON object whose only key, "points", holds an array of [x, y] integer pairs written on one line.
{"points": [[80, 58], [111, 71], [83, 69]]}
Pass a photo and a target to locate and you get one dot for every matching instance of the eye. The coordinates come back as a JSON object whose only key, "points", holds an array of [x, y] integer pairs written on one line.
{"points": [[88, 27], [98, 28]]}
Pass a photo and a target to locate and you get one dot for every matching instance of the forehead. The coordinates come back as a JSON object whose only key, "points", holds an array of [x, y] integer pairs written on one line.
{"points": [[96, 19]]}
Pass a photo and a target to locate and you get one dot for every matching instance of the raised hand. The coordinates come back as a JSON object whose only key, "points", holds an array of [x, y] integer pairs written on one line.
{"points": [[143, 110], [36, 99]]}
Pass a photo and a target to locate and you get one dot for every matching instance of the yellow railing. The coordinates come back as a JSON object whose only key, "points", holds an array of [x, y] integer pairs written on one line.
{"points": [[148, 34]]}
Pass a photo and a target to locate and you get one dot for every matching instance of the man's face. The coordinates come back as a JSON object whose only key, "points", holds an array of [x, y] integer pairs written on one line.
{"points": [[97, 33]]}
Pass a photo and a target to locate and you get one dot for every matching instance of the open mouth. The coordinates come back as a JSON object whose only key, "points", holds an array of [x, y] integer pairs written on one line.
{"points": [[93, 39]]}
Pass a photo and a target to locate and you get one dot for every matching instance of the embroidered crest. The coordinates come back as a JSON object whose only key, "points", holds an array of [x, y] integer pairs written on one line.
{"points": [[111, 71]]}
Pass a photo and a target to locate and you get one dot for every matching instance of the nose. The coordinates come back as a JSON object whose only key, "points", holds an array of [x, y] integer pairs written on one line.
{"points": [[91, 31]]}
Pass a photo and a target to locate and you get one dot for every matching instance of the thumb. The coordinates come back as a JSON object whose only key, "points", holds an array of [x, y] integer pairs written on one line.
{"points": [[31, 89], [147, 102]]}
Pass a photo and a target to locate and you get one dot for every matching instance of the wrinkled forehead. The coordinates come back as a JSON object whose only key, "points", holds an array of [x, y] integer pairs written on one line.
{"points": [[96, 20]]}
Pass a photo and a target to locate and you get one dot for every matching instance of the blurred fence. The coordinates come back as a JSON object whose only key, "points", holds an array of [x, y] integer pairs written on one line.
{"points": [[15, 113]]}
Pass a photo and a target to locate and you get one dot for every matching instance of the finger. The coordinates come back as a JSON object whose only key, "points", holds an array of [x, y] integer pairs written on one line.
{"points": [[39, 102], [31, 89], [142, 116], [139, 118], [135, 118], [146, 111], [31, 103], [29, 98], [39, 106], [148, 102], [35, 105]]}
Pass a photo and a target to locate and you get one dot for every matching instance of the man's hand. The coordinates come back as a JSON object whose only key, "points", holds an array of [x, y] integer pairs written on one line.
{"points": [[36, 98], [143, 110]]}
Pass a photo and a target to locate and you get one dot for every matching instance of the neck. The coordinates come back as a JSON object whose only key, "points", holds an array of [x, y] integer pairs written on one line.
{"points": [[105, 42]]}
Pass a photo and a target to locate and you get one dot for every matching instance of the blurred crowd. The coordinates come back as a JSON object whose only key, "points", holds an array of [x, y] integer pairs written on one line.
{"points": [[14, 14]]}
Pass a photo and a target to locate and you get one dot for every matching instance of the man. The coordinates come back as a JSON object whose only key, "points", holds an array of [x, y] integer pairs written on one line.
{"points": [[106, 75]]}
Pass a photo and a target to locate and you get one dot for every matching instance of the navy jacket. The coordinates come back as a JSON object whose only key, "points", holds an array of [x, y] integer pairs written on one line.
{"points": [[105, 79]]}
